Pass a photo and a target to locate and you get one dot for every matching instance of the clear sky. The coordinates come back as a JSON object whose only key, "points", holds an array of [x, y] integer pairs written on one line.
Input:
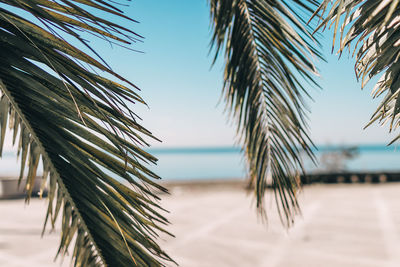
{"points": [[183, 92]]}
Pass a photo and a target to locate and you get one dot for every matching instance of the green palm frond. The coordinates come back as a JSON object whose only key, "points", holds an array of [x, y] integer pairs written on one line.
{"points": [[372, 26], [79, 125], [268, 47]]}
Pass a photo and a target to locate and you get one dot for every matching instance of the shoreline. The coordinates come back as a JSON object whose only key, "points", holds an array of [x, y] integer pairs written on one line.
{"points": [[9, 184]]}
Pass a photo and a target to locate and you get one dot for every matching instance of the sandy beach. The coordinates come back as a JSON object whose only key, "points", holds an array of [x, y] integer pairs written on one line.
{"points": [[342, 225]]}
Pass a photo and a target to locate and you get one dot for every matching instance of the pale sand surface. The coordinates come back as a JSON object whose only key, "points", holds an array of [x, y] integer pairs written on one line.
{"points": [[342, 225]]}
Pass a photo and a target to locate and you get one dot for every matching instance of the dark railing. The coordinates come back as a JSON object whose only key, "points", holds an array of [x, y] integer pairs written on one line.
{"points": [[351, 177]]}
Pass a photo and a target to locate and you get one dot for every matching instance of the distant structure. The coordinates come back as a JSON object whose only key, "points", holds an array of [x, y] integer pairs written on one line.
{"points": [[335, 160]]}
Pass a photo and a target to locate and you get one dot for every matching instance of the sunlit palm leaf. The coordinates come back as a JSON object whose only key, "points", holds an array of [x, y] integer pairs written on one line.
{"points": [[267, 48], [372, 26], [77, 122]]}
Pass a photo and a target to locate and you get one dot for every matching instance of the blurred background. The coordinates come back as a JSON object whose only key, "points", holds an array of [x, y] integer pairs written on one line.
{"points": [[186, 109], [352, 225]]}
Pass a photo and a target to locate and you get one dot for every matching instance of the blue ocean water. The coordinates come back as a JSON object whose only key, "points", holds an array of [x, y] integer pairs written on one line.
{"points": [[228, 162], [199, 163]]}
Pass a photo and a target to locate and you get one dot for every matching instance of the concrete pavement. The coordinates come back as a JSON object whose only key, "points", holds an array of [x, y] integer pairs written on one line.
{"points": [[342, 225]]}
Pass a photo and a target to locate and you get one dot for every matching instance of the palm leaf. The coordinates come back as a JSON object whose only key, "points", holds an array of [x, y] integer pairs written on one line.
{"points": [[372, 26], [78, 123], [268, 48]]}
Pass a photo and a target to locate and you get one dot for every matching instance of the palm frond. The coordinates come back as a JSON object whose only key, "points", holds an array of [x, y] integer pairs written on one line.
{"points": [[372, 27], [268, 49], [78, 123]]}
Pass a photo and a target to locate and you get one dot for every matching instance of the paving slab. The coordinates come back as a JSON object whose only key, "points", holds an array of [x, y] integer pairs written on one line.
{"points": [[341, 225]]}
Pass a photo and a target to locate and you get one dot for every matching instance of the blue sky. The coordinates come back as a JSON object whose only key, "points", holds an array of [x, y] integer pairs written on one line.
{"points": [[183, 92]]}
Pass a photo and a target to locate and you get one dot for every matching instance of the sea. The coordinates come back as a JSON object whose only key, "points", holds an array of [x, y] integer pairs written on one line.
{"points": [[229, 162], [197, 163]]}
